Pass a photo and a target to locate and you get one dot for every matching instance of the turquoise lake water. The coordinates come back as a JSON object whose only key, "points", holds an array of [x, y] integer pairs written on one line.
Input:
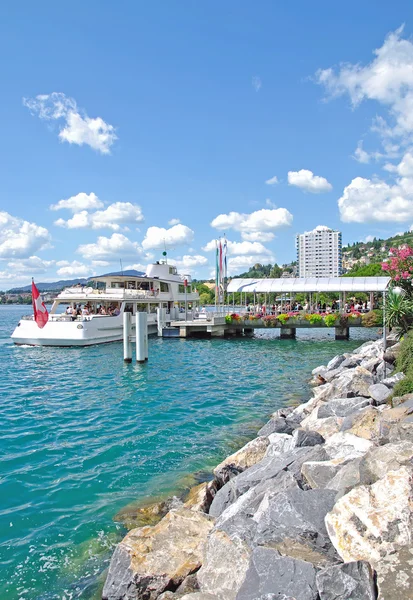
{"points": [[83, 435]]}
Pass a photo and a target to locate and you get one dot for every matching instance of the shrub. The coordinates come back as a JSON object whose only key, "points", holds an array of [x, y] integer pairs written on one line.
{"points": [[405, 357], [283, 318], [330, 320], [314, 319], [374, 318], [269, 321], [405, 386]]}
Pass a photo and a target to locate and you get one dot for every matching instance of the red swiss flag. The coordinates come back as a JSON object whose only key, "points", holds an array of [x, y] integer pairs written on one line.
{"points": [[41, 316]]}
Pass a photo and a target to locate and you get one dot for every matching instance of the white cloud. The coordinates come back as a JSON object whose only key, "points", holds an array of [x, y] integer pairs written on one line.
{"points": [[190, 261], [75, 269], [361, 155], [113, 248], [368, 238], [306, 180], [19, 238], [174, 222], [258, 236], [365, 200], [78, 128], [115, 215], [256, 83], [136, 267], [81, 201], [387, 79], [158, 237], [241, 248], [264, 220], [272, 181], [100, 263], [32, 265]]}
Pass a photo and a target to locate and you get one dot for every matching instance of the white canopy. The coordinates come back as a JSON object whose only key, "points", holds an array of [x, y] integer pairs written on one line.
{"points": [[310, 284]]}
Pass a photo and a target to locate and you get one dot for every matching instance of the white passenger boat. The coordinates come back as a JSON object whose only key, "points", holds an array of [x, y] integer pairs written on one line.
{"points": [[102, 304]]}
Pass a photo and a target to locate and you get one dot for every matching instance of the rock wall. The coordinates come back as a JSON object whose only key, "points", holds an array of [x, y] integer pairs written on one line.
{"points": [[318, 507]]}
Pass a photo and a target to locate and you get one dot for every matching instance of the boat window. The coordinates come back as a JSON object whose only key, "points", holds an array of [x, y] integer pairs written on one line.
{"points": [[130, 285], [143, 285], [129, 308], [164, 286], [117, 284], [182, 289], [141, 307], [172, 270]]}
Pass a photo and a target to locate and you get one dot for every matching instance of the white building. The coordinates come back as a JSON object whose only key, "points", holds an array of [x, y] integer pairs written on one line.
{"points": [[319, 253]]}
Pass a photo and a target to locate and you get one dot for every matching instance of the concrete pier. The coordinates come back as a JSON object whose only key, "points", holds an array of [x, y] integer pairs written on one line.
{"points": [[342, 333], [288, 333]]}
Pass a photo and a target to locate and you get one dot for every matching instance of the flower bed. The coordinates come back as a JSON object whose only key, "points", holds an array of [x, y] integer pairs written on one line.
{"points": [[292, 319]]}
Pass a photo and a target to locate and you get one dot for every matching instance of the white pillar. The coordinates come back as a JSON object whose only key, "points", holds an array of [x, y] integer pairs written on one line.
{"points": [[127, 344], [160, 319], [141, 330]]}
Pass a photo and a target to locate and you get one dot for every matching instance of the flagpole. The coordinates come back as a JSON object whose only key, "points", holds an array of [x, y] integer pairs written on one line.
{"points": [[216, 274]]}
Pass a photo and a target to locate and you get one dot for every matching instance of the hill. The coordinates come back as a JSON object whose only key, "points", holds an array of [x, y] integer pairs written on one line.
{"points": [[55, 286]]}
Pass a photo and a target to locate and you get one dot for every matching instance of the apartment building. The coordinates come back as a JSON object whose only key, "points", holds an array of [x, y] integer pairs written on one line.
{"points": [[319, 253]]}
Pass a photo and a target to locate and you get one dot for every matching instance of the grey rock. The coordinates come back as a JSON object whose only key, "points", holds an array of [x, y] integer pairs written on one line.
{"points": [[391, 381], [283, 412], [352, 361], [392, 353], [380, 460], [384, 370], [332, 374], [224, 565], [188, 586], [199, 596], [303, 438], [319, 473], [397, 400], [349, 581], [292, 522], [380, 393], [279, 442], [342, 407], [277, 425], [271, 575], [335, 362], [347, 445], [268, 468], [347, 477]]}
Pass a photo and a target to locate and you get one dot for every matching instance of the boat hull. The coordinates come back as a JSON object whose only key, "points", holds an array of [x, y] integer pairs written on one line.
{"points": [[72, 333]]}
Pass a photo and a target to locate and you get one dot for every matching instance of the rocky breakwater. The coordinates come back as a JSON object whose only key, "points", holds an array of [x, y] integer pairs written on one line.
{"points": [[318, 507]]}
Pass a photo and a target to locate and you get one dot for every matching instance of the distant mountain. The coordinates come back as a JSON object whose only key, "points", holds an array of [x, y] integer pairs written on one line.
{"points": [[54, 286]]}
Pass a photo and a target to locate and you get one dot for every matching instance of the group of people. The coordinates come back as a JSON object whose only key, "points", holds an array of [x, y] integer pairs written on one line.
{"points": [[354, 305], [82, 311]]}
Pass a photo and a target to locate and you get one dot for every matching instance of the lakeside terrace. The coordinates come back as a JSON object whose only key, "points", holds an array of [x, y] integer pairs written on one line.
{"points": [[221, 323]]}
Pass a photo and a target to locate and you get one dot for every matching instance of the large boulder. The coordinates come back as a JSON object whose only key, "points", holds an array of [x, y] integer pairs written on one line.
{"points": [[380, 393], [292, 522], [349, 581], [325, 427], [201, 496], [319, 473], [224, 565], [380, 460], [279, 442], [273, 576], [277, 425], [346, 478], [375, 523], [302, 438], [151, 559], [342, 407], [346, 445], [267, 468], [244, 458], [390, 382], [350, 383]]}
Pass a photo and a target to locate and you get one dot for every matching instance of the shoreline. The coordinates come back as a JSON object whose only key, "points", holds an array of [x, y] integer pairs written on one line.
{"points": [[219, 542]]}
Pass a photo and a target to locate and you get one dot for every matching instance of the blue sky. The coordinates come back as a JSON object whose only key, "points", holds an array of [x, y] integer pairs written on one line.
{"points": [[142, 122]]}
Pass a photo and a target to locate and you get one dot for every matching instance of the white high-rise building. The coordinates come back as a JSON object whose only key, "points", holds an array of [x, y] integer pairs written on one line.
{"points": [[319, 253]]}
